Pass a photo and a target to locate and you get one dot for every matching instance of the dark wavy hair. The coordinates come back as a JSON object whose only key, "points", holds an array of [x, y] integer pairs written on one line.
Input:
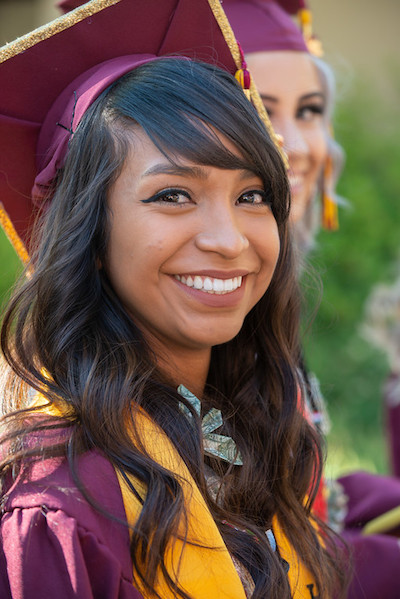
{"points": [[67, 334]]}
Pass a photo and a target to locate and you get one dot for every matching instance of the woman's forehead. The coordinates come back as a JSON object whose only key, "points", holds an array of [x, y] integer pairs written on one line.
{"points": [[284, 73], [162, 157], [146, 161]]}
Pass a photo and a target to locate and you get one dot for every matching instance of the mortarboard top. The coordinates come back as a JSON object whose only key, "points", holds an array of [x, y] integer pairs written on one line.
{"points": [[36, 68]]}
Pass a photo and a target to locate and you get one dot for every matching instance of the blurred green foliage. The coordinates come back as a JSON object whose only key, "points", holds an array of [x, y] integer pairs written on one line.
{"points": [[364, 252], [10, 268]]}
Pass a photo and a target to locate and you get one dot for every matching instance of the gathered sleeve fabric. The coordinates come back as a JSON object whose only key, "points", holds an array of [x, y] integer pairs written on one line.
{"points": [[55, 544], [376, 557]]}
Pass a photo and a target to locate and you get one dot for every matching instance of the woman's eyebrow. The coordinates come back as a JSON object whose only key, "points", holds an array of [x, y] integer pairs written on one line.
{"points": [[268, 98], [308, 96], [312, 95], [175, 169], [196, 172]]}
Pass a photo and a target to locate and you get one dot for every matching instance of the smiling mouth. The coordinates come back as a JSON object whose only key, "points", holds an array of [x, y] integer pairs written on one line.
{"points": [[210, 285], [295, 181]]}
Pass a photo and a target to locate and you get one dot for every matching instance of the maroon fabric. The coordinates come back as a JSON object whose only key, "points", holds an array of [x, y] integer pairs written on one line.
{"points": [[66, 113], [18, 149], [55, 545], [376, 557], [291, 6], [67, 5], [32, 80], [376, 560], [263, 26], [370, 495]]}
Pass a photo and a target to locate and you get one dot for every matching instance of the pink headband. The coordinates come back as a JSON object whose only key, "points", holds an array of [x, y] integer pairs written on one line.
{"points": [[66, 113]]}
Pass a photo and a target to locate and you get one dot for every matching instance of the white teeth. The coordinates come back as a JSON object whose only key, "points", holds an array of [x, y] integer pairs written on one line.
{"points": [[209, 285], [294, 180], [228, 285], [218, 285], [198, 283]]}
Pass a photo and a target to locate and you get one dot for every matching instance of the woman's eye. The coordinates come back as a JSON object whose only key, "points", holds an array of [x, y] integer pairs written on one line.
{"points": [[169, 196], [310, 113], [254, 197]]}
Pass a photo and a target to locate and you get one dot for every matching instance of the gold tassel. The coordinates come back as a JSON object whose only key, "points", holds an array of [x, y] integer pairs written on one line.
{"points": [[313, 44], [233, 46], [330, 215], [13, 236], [305, 18], [242, 75]]}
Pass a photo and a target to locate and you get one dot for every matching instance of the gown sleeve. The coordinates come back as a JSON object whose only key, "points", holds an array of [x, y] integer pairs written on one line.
{"points": [[54, 544], [46, 553]]}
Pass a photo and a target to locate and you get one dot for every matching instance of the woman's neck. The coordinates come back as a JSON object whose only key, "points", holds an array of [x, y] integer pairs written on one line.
{"points": [[189, 369], [183, 366]]}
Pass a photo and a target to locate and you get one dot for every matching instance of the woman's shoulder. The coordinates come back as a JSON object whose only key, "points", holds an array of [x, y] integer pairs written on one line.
{"points": [[50, 481], [46, 519]]}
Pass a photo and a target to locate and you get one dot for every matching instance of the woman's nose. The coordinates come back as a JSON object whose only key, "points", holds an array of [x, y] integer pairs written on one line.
{"points": [[294, 142], [221, 233]]}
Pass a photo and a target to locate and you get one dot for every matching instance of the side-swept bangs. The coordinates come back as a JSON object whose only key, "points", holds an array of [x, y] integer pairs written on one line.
{"points": [[187, 108]]}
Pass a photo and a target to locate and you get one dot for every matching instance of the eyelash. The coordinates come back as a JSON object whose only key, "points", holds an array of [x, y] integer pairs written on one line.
{"points": [[264, 197], [313, 108], [162, 196]]}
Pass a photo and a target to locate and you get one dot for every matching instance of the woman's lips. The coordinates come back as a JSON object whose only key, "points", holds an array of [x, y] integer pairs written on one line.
{"points": [[296, 183], [215, 292]]}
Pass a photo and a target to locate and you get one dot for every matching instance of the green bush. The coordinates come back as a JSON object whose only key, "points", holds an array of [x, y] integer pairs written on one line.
{"points": [[362, 253], [10, 267]]}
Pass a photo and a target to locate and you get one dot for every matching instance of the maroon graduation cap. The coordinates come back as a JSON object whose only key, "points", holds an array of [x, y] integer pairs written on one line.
{"points": [[267, 25], [54, 64]]}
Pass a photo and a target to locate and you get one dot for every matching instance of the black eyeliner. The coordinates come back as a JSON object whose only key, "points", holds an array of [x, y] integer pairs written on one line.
{"points": [[313, 108], [164, 192], [263, 194]]}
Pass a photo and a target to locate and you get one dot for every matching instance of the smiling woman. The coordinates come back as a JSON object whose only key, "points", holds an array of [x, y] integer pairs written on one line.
{"points": [[163, 269], [292, 93], [298, 91], [205, 245]]}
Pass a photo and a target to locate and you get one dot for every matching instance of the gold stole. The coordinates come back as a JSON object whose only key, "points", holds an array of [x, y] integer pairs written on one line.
{"points": [[208, 571], [205, 571]]}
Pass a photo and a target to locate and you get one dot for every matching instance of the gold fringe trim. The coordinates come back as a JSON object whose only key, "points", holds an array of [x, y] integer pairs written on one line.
{"points": [[230, 39], [46, 31], [79, 14], [226, 29], [263, 114], [13, 236]]}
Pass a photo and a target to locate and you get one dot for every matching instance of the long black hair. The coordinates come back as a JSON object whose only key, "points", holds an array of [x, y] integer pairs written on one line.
{"points": [[67, 334]]}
